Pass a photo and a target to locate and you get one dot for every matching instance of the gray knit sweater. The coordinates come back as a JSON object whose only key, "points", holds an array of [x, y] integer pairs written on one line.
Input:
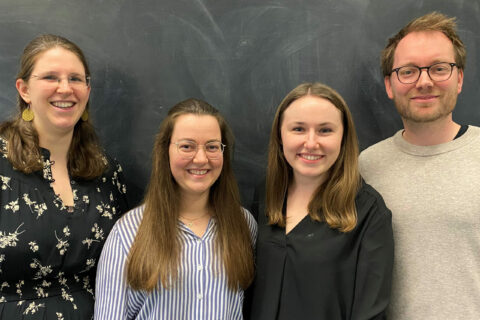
{"points": [[434, 195]]}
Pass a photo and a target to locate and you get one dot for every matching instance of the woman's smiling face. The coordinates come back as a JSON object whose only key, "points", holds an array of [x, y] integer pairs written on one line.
{"points": [[57, 91], [311, 131]]}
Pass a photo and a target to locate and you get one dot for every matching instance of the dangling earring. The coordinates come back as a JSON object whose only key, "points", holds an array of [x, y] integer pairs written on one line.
{"points": [[85, 115], [27, 114]]}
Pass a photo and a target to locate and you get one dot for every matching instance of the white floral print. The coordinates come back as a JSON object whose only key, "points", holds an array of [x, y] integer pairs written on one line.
{"points": [[12, 205], [10, 239], [57, 246], [5, 182]]}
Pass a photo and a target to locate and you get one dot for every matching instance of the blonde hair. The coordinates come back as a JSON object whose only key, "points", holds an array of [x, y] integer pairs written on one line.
{"points": [[433, 21], [155, 252], [334, 200]]}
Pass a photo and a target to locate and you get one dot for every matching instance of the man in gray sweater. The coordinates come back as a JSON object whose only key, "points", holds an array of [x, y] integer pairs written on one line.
{"points": [[429, 175]]}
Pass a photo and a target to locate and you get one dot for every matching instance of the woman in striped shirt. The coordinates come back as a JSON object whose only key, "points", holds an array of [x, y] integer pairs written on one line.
{"points": [[186, 253]]}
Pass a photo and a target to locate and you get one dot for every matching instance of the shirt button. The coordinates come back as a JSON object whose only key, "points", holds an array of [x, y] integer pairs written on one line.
{"points": [[199, 267], [199, 296]]}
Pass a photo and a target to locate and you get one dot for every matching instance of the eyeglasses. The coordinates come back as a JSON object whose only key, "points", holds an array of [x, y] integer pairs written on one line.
{"points": [[188, 149], [441, 71], [75, 81]]}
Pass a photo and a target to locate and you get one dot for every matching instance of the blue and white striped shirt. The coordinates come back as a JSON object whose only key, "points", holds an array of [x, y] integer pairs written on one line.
{"points": [[200, 292]]}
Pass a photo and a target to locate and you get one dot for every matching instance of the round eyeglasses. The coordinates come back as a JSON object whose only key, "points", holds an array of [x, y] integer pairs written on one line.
{"points": [[441, 71], [188, 149]]}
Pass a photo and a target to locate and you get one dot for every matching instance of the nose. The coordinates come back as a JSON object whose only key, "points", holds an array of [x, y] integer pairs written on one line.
{"points": [[424, 81], [64, 86], [200, 156], [311, 141]]}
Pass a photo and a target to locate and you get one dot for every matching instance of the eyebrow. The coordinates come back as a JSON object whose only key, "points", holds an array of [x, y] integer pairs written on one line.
{"points": [[192, 140], [411, 64], [57, 73], [318, 124]]}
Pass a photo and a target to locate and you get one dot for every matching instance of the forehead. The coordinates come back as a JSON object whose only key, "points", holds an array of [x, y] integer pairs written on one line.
{"points": [[58, 59], [312, 109], [424, 48], [196, 127]]}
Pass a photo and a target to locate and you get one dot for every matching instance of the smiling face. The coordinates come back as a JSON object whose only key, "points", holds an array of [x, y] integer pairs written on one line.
{"points": [[424, 100], [195, 176], [311, 132], [57, 107]]}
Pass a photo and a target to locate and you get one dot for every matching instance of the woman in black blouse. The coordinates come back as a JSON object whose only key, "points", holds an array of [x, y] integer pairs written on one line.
{"points": [[325, 245], [59, 193]]}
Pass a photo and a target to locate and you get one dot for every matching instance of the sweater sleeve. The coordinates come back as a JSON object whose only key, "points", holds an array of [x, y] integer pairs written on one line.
{"points": [[374, 266]]}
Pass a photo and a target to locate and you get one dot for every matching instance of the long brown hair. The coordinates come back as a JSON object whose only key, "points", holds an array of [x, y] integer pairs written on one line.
{"points": [[85, 156], [155, 252], [433, 21], [334, 200]]}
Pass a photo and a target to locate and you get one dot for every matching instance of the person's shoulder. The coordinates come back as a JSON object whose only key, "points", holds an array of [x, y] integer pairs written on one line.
{"points": [[113, 174], [251, 222], [474, 131], [369, 200], [3, 147], [248, 215], [127, 226], [113, 166], [377, 147]]}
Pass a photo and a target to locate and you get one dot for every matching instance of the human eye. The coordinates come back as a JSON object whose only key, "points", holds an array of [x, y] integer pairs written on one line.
{"points": [[440, 68], [407, 71], [298, 129], [186, 146], [49, 77], [76, 79], [325, 130], [213, 147]]}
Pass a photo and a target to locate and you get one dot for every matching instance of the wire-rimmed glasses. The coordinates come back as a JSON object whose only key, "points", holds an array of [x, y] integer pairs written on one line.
{"points": [[74, 80], [187, 149]]}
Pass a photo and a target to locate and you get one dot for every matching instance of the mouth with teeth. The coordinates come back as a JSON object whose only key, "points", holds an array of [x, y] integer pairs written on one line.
{"points": [[310, 157], [62, 104], [198, 172]]}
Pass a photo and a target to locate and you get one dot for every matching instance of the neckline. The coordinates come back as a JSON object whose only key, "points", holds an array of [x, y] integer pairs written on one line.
{"points": [[425, 151]]}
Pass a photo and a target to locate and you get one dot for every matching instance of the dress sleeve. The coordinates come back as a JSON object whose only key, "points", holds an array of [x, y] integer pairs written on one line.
{"points": [[120, 187], [374, 266], [111, 289]]}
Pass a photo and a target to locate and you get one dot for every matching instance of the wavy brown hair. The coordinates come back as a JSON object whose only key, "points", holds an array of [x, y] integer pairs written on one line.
{"points": [[334, 200], [433, 21], [155, 252], [86, 158]]}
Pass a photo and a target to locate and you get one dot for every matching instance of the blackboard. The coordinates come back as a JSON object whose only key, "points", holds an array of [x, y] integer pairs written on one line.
{"points": [[240, 56]]}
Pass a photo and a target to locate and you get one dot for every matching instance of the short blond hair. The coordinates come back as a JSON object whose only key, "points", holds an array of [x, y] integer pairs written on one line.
{"points": [[433, 21]]}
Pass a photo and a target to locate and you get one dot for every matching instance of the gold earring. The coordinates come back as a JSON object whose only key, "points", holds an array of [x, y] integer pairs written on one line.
{"points": [[85, 115], [27, 114]]}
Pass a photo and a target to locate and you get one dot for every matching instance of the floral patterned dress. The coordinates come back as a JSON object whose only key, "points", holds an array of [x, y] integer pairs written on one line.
{"points": [[49, 252]]}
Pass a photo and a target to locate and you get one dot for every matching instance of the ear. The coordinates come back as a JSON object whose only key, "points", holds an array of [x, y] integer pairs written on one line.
{"points": [[460, 81], [22, 88], [388, 86], [89, 89]]}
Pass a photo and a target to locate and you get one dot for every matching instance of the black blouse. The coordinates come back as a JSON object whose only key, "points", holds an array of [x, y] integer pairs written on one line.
{"points": [[49, 252], [315, 272]]}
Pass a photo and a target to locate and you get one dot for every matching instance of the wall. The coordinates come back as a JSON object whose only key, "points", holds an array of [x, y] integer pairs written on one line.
{"points": [[240, 56]]}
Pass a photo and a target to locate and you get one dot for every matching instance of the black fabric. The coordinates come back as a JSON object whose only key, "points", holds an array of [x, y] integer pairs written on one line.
{"points": [[315, 272], [49, 255], [462, 130]]}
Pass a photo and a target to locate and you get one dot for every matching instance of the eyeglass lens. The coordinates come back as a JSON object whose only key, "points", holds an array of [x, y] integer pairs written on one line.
{"points": [[436, 72], [189, 149]]}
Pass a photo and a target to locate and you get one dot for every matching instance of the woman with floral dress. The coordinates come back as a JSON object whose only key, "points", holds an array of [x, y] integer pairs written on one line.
{"points": [[59, 193]]}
